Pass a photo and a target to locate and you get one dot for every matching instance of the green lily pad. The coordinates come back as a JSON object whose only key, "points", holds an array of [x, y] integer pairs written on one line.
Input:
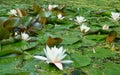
{"points": [[87, 42], [71, 38], [95, 37], [111, 69], [9, 65], [80, 60], [99, 52], [26, 21], [90, 70], [18, 47]]}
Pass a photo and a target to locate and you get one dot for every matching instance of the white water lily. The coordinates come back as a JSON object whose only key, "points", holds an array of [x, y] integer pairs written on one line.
{"points": [[25, 36], [115, 16], [80, 19], [84, 28], [54, 55], [50, 7], [12, 12], [60, 17], [105, 27]]}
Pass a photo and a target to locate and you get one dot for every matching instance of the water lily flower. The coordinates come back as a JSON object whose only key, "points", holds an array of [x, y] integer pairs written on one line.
{"points": [[50, 7], [25, 36], [105, 27], [80, 19], [115, 16], [84, 28], [54, 55], [60, 17], [12, 12]]}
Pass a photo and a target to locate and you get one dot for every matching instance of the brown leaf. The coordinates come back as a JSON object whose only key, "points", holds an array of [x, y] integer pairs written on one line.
{"points": [[53, 41], [37, 8], [11, 23], [19, 12], [22, 12], [4, 34], [43, 20], [111, 36]]}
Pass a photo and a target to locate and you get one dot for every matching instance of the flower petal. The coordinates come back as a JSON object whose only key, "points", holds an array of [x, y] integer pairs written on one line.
{"points": [[59, 65], [40, 57], [47, 52], [61, 57], [66, 61], [84, 28]]}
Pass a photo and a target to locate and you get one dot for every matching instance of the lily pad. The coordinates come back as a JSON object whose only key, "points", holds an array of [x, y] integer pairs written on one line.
{"points": [[111, 69], [90, 70], [80, 60], [9, 65], [99, 52], [18, 47]]}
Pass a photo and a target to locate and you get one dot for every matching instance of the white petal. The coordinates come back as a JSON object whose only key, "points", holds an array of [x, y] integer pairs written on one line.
{"points": [[47, 48], [47, 52], [84, 27], [40, 57], [66, 61], [25, 36], [87, 29], [62, 52], [60, 49], [61, 57], [59, 65]]}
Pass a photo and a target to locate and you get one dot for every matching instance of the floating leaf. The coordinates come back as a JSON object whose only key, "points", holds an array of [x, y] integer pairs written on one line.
{"points": [[19, 73], [87, 42], [90, 70], [34, 28], [99, 52], [16, 66], [4, 34], [7, 41], [21, 12], [2, 20], [43, 20], [26, 21], [71, 38], [95, 37], [53, 41], [80, 60], [111, 36], [77, 72], [9, 65], [111, 69], [17, 47], [37, 9], [11, 23], [46, 69]]}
